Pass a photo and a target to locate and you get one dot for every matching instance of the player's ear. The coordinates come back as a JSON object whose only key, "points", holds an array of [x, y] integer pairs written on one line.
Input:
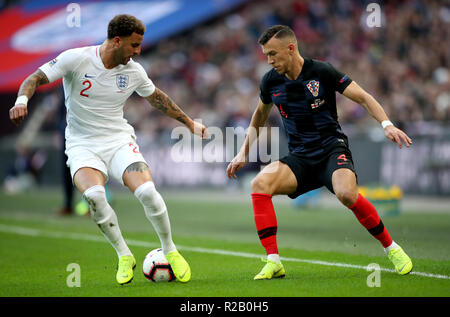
{"points": [[117, 41], [291, 47]]}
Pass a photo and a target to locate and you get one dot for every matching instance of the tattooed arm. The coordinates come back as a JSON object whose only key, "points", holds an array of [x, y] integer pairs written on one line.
{"points": [[32, 82], [161, 101], [27, 89]]}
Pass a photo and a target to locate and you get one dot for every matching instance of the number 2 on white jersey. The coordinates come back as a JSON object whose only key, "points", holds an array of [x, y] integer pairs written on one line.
{"points": [[135, 148], [89, 85]]}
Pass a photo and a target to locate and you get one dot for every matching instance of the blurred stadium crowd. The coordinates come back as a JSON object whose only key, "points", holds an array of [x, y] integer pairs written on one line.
{"points": [[213, 71]]}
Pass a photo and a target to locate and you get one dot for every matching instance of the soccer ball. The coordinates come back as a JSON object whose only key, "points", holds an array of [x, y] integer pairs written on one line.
{"points": [[156, 268]]}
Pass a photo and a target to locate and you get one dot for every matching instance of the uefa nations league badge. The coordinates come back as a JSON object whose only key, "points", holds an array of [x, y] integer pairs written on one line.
{"points": [[122, 81]]}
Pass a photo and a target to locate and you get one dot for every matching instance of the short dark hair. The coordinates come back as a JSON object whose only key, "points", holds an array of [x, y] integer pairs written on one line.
{"points": [[125, 25], [277, 31]]}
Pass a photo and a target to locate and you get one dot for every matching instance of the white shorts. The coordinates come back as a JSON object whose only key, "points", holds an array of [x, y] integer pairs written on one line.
{"points": [[108, 159]]}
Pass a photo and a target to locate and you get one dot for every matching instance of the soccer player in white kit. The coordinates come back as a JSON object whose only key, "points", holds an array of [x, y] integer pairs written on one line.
{"points": [[97, 81]]}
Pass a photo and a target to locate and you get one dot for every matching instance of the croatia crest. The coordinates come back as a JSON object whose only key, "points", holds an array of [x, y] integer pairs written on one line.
{"points": [[122, 81], [313, 87]]}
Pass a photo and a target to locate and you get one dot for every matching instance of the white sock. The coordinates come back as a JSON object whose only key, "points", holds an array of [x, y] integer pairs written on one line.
{"points": [[106, 219], [274, 257], [391, 247], [156, 211]]}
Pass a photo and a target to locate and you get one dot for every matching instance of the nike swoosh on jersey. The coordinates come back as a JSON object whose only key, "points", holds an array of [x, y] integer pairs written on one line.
{"points": [[89, 76], [276, 95]]}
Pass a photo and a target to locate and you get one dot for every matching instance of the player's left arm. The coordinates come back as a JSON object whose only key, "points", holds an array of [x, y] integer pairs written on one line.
{"points": [[359, 95], [164, 103]]}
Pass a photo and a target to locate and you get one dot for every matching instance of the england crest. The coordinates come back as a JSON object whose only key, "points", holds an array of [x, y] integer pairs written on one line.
{"points": [[122, 81], [313, 87]]}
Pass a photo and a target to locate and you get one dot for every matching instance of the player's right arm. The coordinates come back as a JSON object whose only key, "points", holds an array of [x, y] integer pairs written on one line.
{"points": [[19, 111], [58, 67], [258, 120]]}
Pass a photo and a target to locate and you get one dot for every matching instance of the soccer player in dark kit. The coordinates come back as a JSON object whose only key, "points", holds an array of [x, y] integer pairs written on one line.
{"points": [[304, 91]]}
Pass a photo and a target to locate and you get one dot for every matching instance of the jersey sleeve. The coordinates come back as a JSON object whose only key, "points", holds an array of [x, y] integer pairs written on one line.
{"points": [[61, 65], [146, 88], [337, 79], [264, 90]]}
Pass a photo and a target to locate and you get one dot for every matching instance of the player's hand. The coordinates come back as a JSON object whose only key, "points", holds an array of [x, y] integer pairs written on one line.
{"points": [[236, 164], [397, 136], [199, 129], [18, 113]]}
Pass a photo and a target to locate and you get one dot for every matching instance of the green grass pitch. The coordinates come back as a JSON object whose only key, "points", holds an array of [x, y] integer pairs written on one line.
{"points": [[325, 250]]}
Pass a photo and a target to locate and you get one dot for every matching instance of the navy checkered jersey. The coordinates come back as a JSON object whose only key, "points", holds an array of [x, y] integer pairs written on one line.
{"points": [[307, 106]]}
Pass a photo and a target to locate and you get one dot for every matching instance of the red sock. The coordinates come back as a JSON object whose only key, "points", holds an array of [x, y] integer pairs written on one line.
{"points": [[367, 215], [266, 221]]}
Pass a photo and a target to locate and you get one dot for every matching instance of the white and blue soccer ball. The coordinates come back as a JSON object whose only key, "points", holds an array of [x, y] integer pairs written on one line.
{"points": [[156, 268]]}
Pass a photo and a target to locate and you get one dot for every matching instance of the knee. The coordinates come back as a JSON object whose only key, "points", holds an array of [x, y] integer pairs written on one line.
{"points": [[347, 196], [261, 184], [98, 204], [95, 197]]}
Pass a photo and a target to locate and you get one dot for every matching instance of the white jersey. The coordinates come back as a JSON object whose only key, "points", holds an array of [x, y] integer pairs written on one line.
{"points": [[95, 96]]}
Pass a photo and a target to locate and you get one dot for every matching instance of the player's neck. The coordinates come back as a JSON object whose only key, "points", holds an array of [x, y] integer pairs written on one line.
{"points": [[107, 56], [296, 68]]}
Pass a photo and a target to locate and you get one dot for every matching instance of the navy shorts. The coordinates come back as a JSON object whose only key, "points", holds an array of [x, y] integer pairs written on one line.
{"points": [[313, 173]]}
